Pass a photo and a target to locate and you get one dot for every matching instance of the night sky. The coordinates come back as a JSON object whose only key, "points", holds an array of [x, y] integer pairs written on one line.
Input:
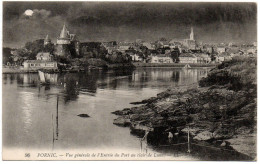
{"points": [[128, 21]]}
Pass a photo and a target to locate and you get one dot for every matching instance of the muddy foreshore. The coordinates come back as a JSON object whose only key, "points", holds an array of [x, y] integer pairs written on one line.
{"points": [[215, 114]]}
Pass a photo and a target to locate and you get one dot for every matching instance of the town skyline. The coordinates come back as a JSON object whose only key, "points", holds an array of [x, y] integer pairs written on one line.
{"points": [[128, 21]]}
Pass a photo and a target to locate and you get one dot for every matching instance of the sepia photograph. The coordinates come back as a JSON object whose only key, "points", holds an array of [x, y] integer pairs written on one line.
{"points": [[129, 80]]}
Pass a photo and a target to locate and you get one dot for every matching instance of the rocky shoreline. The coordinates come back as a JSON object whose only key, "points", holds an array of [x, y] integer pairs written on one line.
{"points": [[220, 112]]}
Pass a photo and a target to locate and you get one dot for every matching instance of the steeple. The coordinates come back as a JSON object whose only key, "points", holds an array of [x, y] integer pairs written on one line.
{"points": [[64, 33], [191, 34], [47, 40]]}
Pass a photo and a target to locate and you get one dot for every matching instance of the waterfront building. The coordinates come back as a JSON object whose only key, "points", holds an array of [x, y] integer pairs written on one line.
{"points": [[161, 59], [203, 58], [39, 64], [187, 58]]}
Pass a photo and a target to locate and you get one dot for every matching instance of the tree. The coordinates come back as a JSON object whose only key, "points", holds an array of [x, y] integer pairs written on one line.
{"points": [[34, 48], [7, 55], [49, 48]]}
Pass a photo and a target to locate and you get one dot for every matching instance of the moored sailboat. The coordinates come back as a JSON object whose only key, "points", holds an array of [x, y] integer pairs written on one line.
{"points": [[43, 79]]}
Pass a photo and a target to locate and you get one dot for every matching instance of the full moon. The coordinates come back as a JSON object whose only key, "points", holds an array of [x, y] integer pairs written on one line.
{"points": [[28, 12]]}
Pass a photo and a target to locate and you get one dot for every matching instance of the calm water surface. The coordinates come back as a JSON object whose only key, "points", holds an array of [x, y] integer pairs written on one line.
{"points": [[31, 119]]}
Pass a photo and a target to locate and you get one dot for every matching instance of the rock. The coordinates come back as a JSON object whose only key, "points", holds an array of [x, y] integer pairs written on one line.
{"points": [[121, 121], [118, 112], [83, 115], [125, 111], [138, 129], [223, 144], [141, 117], [204, 136], [218, 142], [137, 103], [206, 106]]}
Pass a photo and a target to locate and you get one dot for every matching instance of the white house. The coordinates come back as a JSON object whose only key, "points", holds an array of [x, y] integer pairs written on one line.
{"points": [[223, 57], [161, 59], [135, 57], [187, 58], [40, 64], [203, 58]]}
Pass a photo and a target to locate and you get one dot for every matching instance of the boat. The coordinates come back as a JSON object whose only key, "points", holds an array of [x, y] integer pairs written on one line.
{"points": [[43, 79], [187, 66]]}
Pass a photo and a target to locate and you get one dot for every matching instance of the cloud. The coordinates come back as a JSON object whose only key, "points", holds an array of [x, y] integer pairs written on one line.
{"points": [[41, 13], [37, 14]]}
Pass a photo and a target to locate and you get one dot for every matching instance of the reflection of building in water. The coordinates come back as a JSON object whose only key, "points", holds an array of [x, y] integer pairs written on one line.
{"points": [[28, 78], [189, 76], [145, 76], [175, 76], [182, 76], [34, 78], [161, 75], [52, 78], [135, 76], [203, 73]]}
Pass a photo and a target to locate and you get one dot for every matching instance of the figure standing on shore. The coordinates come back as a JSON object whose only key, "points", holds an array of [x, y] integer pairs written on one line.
{"points": [[170, 136], [145, 140]]}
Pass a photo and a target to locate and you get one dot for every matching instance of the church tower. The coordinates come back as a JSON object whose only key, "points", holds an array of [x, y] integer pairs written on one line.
{"points": [[64, 37], [47, 40], [63, 43], [191, 34]]}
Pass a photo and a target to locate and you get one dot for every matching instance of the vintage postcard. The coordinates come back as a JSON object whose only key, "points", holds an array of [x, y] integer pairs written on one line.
{"points": [[129, 80]]}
